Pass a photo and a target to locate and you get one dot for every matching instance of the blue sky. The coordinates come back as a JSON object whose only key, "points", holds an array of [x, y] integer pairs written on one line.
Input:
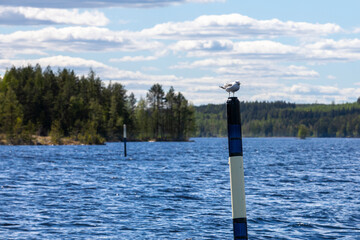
{"points": [[297, 51]]}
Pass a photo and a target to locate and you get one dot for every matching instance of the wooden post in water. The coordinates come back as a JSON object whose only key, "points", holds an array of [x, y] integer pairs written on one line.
{"points": [[237, 183], [125, 140]]}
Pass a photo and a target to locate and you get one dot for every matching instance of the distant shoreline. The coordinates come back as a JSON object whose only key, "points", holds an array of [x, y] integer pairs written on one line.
{"points": [[40, 140], [47, 141]]}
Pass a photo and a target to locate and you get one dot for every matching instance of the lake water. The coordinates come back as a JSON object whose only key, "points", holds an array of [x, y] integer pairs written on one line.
{"points": [[295, 189]]}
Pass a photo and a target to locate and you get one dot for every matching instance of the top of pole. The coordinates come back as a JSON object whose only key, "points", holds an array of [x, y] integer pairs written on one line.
{"points": [[233, 110], [234, 127]]}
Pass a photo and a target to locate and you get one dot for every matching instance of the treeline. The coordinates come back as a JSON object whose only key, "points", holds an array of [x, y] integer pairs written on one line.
{"points": [[36, 101], [281, 119], [61, 104], [165, 117]]}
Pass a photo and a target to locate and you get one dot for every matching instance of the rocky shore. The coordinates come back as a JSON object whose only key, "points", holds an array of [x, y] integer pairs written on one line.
{"points": [[39, 140]]}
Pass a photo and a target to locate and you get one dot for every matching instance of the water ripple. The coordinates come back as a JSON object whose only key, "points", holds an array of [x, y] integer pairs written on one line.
{"points": [[295, 189]]}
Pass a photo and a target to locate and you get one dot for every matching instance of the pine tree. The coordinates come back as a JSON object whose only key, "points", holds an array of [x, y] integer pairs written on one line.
{"points": [[155, 98], [11, 111], [142, 120]]}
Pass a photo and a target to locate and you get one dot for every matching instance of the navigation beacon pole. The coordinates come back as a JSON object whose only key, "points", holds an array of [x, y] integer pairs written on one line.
{"points": [[125, 140], [236, 169]]}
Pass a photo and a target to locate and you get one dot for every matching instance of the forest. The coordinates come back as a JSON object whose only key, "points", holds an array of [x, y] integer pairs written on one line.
{"points": [[37, 102], [282, 119], [62, 105]]}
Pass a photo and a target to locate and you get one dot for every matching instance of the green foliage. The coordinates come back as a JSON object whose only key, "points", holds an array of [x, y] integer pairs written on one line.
{"points": [[62, 104], [280, 119], [20, 135], [142, 120], [303, 131], [10, 111], [89, 135], [164, 116], [56, 132]]}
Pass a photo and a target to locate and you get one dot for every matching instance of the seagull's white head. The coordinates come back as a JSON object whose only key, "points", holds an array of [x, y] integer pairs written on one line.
{"points": [[237, 82]]}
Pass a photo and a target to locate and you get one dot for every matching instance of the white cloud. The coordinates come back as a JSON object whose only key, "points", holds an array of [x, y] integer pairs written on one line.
{"points": [[46, 16], [79, 65], [74, 39], [307, 93], [210, 63], [356, 30], [300, 88], [10, 52], [82, 66], [331, 77], [99, 3], [262, 91], [243, 68], [331, 50], [237, 26], [271, 71], [133, 59], [314, 53], [81, 39], [202, 45], [215, 49], [246, 49], [328, 91], [55, 61]]}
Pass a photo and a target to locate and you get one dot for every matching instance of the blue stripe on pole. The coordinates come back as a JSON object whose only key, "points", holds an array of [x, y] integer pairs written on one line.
{"points": [[234, 131], [235, 147], [240, 230], [235, 140]]}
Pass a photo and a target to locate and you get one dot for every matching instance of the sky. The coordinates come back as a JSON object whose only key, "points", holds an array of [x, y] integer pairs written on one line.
{"points": [[295, 51]]}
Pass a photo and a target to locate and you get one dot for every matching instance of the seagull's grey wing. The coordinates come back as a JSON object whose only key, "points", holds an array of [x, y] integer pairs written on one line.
{"points": [[233, 88], [226, 85]]}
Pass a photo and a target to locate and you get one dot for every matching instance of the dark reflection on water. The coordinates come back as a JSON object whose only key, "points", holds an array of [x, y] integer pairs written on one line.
{"points": [[295, 189]]}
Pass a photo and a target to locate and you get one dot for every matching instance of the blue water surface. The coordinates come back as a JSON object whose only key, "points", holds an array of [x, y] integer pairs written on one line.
{"points": [[295, 189]]}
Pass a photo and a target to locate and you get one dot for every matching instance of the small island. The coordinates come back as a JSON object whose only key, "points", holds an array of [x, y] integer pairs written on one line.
{"points": [[43, 107]]}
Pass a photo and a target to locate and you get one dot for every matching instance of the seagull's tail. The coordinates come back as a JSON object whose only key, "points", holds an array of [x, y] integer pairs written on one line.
{"points": [[221, 87]]}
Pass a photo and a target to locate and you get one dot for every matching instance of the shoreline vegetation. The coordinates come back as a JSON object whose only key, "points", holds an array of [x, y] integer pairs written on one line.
{"points": [[42, 107], [48, 141], [282, 119], [37, 140], [66, 109]]}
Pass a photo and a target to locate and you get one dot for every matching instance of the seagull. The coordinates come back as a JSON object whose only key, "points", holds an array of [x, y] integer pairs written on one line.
{"points": [[231, 87]]}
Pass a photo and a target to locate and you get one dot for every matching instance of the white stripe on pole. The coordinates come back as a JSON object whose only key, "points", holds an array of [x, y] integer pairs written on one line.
{"points": [[124, 130], [237, 185]]}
